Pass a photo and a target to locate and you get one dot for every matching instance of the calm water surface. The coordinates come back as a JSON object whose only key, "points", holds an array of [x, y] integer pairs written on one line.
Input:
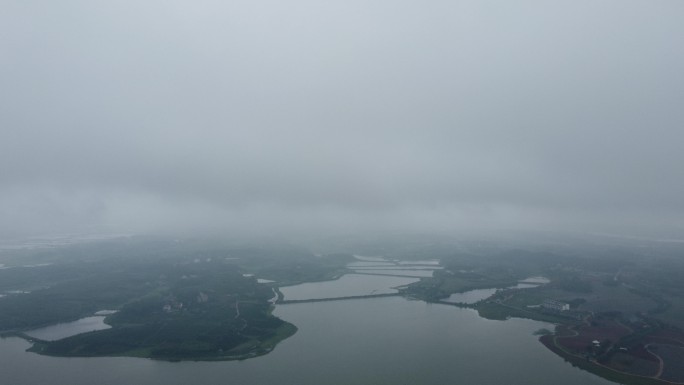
{"points": [[346, 286], [370, 341], [63, 330], [397, 272], [432, 262], [370, 259], [394, 267], [471, 296], [370, 264], [536, 280]]}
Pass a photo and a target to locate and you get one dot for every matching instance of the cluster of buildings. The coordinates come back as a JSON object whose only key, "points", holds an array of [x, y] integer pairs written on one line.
{"points": [[552, 304], [560, 308]]}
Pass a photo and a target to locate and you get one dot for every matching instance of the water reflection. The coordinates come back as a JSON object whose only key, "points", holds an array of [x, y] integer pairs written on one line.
{"points": [[397, 272], [374, 341], [346, 286], [473, 296], [370, 259], [68, 329], [470, 297], [536, 280]]}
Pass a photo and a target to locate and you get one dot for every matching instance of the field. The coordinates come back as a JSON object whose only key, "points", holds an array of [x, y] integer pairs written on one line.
{"points": [[579, 339]]}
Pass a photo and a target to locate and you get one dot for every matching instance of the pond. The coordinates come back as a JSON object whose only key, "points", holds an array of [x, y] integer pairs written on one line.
{"points": [[472, 296], [67, 329]]}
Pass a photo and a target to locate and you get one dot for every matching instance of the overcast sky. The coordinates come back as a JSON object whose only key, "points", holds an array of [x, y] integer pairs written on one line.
{"points": [[302, 115]]}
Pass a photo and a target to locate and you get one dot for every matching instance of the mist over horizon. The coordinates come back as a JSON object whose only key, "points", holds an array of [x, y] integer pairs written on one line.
{"points": [[264, 118]]}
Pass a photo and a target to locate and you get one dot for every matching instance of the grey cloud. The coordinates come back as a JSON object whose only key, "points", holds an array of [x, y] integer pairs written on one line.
{"points": [[342, 115]]}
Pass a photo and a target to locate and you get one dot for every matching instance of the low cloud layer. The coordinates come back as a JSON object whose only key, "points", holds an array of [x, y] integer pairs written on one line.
{"points": [[270, 116]]}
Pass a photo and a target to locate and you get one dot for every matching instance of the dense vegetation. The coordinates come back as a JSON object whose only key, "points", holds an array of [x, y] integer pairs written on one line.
{"points": [[175, 300], [625, 320], [201, 300]]}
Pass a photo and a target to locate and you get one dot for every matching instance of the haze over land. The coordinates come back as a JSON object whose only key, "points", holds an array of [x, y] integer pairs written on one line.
{"points": [[268, 117]]}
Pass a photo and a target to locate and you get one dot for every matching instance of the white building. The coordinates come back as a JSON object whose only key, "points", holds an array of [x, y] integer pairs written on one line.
{"points": [[552, 304]]}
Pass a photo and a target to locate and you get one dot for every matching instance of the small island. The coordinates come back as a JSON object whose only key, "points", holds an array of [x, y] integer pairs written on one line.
{"points": [[187, 303], [205, 311]]}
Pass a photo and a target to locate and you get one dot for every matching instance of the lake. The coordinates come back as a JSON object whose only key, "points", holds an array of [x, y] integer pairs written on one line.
{"points": [[397, 272], [59, 331], [346, 286], [381, 266], [369, 341], [471, 296], [477, 295]]}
